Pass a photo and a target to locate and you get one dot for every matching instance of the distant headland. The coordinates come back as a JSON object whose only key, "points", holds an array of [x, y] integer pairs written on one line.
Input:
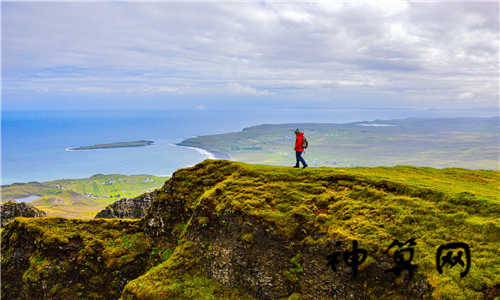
{"points": [[113, 145]]}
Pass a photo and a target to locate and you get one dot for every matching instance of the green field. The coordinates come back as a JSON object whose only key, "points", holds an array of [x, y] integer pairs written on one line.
{"points": [[463, 142], [82, 197]]}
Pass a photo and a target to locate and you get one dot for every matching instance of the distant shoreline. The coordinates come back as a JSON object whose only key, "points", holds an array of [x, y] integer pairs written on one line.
{"points": [[140, 143], [211, 154]]}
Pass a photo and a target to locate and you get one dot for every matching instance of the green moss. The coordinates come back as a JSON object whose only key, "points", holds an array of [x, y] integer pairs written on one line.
{"points": [[247, 237], [179, 228], [179, 277], [294, 272], [295, 296], [203, 221], [371, 205], [305, 208], [72, 249]]}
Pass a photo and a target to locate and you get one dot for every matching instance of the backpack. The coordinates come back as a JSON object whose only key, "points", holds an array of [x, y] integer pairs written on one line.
{"points": [[305, 143]]}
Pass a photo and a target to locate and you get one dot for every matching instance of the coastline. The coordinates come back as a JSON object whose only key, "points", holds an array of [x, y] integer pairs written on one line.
{"points": [[210, 154], [141, 143]]}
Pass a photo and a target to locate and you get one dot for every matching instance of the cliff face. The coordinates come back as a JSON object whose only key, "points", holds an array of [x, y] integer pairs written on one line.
{"points": [[10, 210], [127, 208], [56, 258], [257, 232], [228, 230]]}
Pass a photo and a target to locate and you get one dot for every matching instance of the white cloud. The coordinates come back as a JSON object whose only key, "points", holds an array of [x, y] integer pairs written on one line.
{"points": [[238, 88], [296, 16], [413, 50], [465, 95]]}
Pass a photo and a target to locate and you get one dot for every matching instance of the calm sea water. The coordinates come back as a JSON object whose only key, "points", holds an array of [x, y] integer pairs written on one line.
{"points": [[34, 142]]}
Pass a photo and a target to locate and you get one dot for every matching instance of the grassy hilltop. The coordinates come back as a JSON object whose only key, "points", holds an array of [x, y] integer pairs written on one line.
{"points": [[81, 198], [462, 142], [229, 230]]}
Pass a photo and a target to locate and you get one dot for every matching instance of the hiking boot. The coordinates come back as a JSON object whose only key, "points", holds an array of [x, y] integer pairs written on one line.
{"points": [[304, 167], [295, 166]]}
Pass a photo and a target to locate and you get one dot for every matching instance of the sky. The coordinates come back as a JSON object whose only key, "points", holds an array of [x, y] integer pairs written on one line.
{"points": [[195, 55]]}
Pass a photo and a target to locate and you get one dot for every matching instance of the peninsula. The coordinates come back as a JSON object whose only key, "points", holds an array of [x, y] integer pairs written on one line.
{"points": [[114, 145], [438, 143]]}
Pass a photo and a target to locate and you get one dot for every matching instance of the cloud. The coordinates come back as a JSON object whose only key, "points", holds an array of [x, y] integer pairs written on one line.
{"points": [[242, 89], [434, 52]]}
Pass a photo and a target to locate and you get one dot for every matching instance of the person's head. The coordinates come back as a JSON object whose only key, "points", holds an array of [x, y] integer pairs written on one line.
{"points": [[297, 131]]}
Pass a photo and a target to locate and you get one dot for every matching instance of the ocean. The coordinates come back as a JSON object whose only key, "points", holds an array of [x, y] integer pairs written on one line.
{"points": [[34, 142]]}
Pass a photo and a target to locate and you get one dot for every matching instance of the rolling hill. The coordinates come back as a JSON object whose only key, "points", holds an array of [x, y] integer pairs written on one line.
{"points": [[230, 230]]}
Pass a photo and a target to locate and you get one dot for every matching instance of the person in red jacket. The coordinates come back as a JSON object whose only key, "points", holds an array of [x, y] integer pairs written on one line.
{"points": [[299, 139]]}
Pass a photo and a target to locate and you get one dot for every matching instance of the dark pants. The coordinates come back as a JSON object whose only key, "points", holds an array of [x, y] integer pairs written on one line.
{"points": [[298, 155]]}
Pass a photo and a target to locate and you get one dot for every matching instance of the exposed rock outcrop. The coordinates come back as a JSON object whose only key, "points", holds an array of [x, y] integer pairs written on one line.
{"points": [[10, 210], [127, 208]]}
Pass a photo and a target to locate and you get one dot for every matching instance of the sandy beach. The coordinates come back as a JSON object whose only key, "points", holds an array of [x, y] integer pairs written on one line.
{"points": [[210, 154]]}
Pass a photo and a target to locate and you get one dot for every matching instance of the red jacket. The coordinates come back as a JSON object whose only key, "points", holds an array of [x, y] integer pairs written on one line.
{"points": [[298, 142]]}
